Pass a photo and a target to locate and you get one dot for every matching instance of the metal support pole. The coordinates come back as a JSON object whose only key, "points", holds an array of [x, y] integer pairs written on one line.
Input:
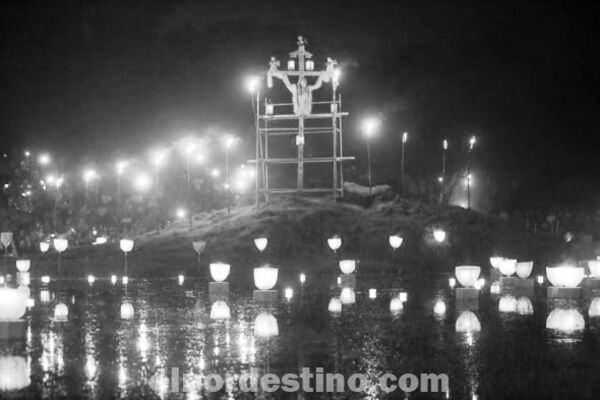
{"points": [[227, 189], [402, 168], [301, 153], [369, 166], [469, 180]]}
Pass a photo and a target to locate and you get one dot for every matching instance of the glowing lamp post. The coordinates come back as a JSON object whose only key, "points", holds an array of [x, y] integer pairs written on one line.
{"points": [[228, 142], [60, 245], [261, 244], [23, 277], [442, 178], [334, 243], [219, 289], [439, 235], [120, 168], [23, 265], [265, 326], [472, 142], [565, 280], [370, 126], [265, 279], [219, 271], [347, 266], [158, 159], [508, 267], [44, 247], [88, 176], [348, 278], [467, 275], [126, 246], [395, 241], [6, 239], [404, 140]]}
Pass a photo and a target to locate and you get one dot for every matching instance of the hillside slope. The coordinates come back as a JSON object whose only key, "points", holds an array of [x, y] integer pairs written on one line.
{"points": [[297, 230]]}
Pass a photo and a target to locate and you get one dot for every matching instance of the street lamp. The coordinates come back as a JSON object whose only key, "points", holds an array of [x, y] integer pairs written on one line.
{"points": [[472, 142], [60, 245], [88, 176], [370, 127], [404, 140], [157, 158], [44, 159], [142, 182], [120, 167], [252, 84], [443, 176], [228, 141], [126, 246]]}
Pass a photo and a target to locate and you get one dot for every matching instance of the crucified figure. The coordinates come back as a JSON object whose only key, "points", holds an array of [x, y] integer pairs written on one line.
{"points": [[301, 92]]}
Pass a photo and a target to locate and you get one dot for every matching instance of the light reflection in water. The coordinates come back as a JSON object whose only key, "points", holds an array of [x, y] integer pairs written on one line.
{"points": [[170, 330]]}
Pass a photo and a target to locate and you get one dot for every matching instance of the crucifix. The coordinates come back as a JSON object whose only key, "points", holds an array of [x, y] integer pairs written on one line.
{"points": [[301, 91]]}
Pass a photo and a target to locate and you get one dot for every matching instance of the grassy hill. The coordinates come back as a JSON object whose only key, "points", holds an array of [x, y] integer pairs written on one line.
{"points": [[297, 229]]}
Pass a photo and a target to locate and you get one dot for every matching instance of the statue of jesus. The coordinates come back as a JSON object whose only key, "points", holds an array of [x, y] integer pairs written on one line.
{"points": [[301, 91]]}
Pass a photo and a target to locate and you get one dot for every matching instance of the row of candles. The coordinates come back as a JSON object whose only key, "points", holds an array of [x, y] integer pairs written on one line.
{"points": [[265, 277], [567, 276]]}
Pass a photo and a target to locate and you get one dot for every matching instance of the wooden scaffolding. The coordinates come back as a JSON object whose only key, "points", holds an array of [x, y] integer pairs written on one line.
{"points": [[316, 127]]}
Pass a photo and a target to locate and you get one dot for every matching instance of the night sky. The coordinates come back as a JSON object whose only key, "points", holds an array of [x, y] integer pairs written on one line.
{"points": [[91, 77]]}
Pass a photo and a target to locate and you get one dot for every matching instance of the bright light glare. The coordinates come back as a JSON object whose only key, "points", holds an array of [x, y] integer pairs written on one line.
{"points": [[472, 142], [190, 147], [404, 137], [121, 165], [370, 126], [337, 74], [142, 182], [228, 141], [215, 173], [180, 213], [252, 83], [44, 159], [88, 175], [158, 157], [445, 144]]}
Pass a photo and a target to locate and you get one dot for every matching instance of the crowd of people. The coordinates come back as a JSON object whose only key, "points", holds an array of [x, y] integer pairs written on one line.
{"points": [[34, 205]]}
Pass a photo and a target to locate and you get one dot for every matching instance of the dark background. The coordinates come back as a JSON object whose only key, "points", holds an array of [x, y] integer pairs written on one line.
{"points": [[101, 78]]}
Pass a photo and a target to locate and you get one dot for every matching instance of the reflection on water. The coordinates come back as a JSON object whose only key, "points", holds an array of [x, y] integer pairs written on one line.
{"points": [[114, 339]]}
